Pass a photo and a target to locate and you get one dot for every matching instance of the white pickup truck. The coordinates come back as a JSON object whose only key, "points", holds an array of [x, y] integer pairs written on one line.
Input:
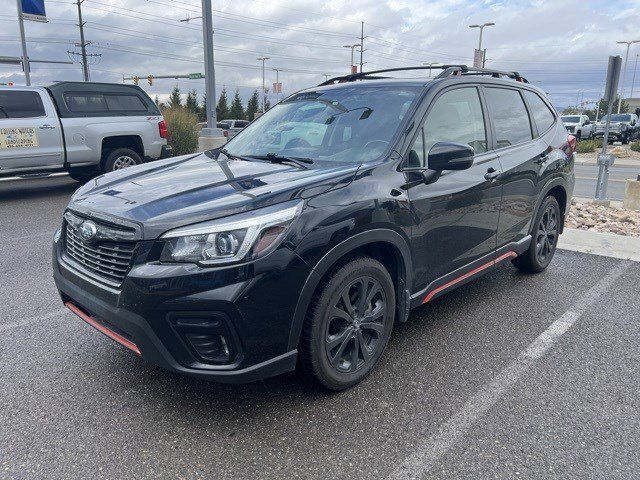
{"points": [[579, 125], [82, 128]]}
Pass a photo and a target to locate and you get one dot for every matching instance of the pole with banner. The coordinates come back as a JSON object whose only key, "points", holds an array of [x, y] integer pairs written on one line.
{"points": [[29, 10], [606, 160]]}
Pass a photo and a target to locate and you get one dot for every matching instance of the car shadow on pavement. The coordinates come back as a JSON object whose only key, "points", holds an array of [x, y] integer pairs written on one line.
{"points": [[23, 189]]}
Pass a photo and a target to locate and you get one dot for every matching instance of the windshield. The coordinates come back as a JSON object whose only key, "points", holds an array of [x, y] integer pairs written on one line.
{"points": [[352, 124], [617, 118], [566, 119]]}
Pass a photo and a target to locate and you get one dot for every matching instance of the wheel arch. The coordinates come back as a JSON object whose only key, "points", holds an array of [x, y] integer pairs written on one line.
{"points": [[386, 246], [557, 189], [110, 143]]}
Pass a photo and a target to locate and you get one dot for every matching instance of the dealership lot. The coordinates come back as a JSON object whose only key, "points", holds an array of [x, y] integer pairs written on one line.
{"points": [[508, 376]]}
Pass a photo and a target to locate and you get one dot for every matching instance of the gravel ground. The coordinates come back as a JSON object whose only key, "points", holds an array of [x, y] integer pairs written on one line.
{"points": [[600, 218]]}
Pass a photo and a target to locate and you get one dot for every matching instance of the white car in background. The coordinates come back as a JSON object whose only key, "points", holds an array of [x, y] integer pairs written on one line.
{"points": [[230, 128], [579, 125]]}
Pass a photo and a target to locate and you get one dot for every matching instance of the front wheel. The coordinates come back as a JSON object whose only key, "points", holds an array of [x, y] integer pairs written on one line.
{"points": [[544, 238], [348, 324]]}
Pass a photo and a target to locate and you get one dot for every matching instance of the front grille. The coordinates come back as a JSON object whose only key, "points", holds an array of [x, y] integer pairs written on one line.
{"points": [[106, 262]]}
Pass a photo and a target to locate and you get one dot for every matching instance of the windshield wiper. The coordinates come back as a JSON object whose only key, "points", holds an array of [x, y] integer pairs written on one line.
{"points": [[301, 162]]}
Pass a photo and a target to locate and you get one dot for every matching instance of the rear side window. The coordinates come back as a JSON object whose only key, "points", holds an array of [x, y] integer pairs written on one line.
{"points": [[241, 123], [125, 103], [509, 116], [542, 115], [86, 102], [20, 104]]}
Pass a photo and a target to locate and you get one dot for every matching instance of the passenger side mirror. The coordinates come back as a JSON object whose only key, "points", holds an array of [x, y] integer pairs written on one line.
{"points": [[450, 156]]}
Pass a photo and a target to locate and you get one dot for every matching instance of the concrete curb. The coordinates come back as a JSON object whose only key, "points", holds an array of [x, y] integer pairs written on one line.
{"points": [[597, 243]]}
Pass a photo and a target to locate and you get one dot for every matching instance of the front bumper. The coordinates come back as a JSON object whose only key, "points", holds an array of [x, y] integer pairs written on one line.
{"points": [[159, 309]]}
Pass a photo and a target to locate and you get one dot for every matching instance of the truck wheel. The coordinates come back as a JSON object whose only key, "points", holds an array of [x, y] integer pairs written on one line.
{"points": [[579, 135], [625, 139], [121, 158], [348, 324]]}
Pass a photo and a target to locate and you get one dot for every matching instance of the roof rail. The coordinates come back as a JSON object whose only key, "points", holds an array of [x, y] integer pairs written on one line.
{"points": [[447, 71]]}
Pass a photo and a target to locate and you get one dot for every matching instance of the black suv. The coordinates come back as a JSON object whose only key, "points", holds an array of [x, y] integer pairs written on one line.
{"points": [[320, 225]]}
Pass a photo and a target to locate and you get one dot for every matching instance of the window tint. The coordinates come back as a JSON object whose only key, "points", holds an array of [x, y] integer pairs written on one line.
{"points": [[241, 123], [125, 103], [20, 104], [85, 102], [416, 154], [509, 116], [543, 117], [456, 117]]}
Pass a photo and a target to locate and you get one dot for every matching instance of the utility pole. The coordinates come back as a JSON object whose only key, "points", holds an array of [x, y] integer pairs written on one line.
{"points": [[25, 56], [209, 70], [361, 43], [352, 47], [264, 91], [624, 69], [83, 44]]}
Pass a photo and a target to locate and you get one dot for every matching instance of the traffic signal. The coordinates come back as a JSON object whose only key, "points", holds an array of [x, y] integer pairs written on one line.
{"points": [[150, 80], [136, 80]]}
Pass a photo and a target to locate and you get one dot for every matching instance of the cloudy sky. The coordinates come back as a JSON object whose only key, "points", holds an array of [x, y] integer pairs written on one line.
{"points": [[560, 45]]}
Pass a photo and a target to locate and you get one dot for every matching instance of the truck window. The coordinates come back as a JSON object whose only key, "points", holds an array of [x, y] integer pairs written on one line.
{"points": [[85, 102], [125, 103], [20, 104]]}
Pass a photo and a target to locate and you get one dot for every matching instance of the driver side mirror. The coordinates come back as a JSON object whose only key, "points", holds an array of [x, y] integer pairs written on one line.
{"points": [[450, 156]]}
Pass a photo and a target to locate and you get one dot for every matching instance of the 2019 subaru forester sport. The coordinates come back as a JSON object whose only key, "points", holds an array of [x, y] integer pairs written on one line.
{"points": [[320, 225]]}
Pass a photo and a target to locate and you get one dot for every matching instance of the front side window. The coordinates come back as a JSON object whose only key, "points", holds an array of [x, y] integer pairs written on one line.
{"points": [[456, 117], [20, 104], [354, 123], [542, 115], [509, 116]]}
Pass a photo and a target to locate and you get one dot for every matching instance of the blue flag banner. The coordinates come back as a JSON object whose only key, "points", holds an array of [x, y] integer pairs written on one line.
{"points": [[33, 10]]}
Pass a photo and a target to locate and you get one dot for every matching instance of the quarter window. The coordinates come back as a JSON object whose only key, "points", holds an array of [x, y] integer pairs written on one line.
{"points": [[456, 117], [542, 115], [509, 116], [20, 104]]}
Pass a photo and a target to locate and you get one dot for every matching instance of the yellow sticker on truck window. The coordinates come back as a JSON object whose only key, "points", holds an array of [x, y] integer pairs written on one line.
{"points": [[21, 137]]}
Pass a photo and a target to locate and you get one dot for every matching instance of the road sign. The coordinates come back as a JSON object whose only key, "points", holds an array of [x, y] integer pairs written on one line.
{"points": [[34, 10], [613, 75], [478, 58], [195, 76]]}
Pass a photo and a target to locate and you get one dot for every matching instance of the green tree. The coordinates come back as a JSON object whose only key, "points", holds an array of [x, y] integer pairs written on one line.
{"points": [[253, 106], [174, 98], [222, 110], [237, 110], [191, 104], [604, 105]]}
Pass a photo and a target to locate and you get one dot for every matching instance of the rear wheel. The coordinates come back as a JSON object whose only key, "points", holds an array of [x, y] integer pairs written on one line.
{"points": [[544, 238], [348, 324], [121, 158]]}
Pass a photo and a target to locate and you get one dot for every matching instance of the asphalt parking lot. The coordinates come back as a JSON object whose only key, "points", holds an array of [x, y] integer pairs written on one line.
{"points": [[510, 376]]}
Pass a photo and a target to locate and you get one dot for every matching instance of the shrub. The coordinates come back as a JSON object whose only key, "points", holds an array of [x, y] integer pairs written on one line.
{"points": [[586, 146], [181, 127], [635, 146]]}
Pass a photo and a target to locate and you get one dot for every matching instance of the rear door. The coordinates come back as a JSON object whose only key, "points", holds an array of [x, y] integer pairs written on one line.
{"points": [[30, 136], [457, 215], [522, 154]]}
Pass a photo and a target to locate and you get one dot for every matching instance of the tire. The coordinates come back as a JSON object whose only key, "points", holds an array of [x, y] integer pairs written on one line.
{"points": [[121, 158], [579, 135], [83, 175], [338, 351], [625, 139], [545, 229]]}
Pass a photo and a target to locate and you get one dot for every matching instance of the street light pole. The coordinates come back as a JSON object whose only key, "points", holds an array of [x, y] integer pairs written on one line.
{"points": [[430, 64], [25, 56], [481, 27], [352, 47], [264, 92], [624, 69], [209, 70], [633, 81]]}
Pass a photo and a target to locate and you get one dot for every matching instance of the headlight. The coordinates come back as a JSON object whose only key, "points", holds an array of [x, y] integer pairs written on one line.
{"points": [[231, 239]]}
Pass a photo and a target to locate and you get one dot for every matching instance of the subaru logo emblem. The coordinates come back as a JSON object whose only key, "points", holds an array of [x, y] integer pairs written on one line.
{"points": [[87, 230]]}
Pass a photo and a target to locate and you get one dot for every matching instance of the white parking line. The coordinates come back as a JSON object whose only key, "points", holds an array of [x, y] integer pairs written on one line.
{"points": [[429, 451], [28, 321]]}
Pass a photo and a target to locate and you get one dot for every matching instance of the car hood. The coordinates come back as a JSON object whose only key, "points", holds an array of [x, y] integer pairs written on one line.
{"points": [[166, 194]]}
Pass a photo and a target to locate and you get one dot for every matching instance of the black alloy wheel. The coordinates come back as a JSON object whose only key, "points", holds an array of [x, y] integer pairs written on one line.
{"points": [[348, 324], [356, 325], [547, 235]]}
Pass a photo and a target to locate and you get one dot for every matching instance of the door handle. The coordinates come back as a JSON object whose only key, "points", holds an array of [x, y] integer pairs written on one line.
{"points": [[47, 127], [491, 174]]}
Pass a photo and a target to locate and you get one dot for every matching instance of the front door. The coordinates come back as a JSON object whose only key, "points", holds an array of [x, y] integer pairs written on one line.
{"points": [[30, 134], [456, 217]]}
